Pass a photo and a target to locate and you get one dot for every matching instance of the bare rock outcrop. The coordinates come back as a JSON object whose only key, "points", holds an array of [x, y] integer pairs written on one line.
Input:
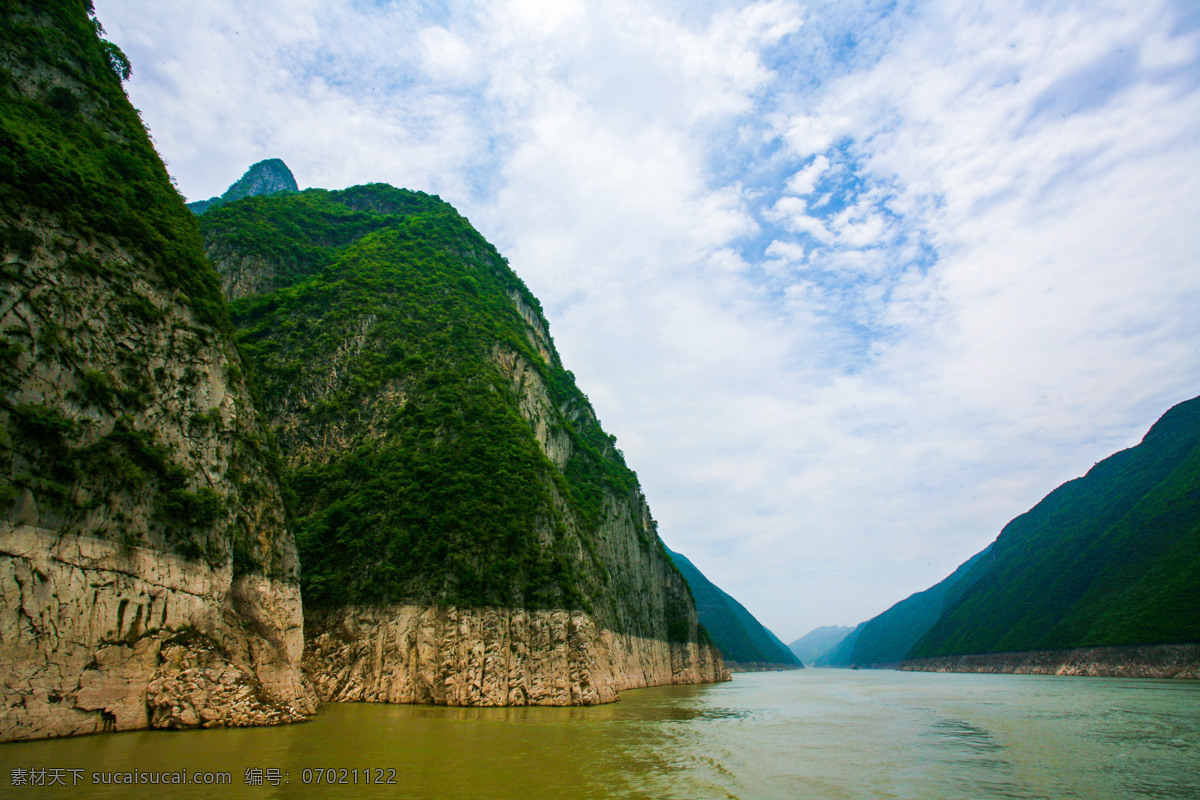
{"points": [[138, 507], [489, 657]]}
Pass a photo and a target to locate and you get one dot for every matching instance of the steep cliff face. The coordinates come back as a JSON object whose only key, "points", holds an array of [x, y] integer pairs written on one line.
{"points": [[147, 577], [447, 655], [458, 505]]}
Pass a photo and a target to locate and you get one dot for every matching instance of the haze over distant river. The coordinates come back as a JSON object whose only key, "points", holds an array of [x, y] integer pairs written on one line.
{"points": [[811, 734]]}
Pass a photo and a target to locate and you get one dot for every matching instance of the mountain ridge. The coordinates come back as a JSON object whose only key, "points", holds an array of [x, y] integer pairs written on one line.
{"points": [[1113, 557], [1090, 580], [444, 471]]}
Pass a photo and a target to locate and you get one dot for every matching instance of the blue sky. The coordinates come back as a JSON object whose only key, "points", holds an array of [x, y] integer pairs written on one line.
{"points": [[853, 283]]}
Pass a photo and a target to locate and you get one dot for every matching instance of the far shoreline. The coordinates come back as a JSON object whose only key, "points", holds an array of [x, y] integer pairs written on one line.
{"points": [[1177, 661]]}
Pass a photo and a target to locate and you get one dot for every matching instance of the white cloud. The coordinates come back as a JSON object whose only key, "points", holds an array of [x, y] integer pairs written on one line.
{"points": [[804, 182], [792, 213], [788, 251], [994, 209], [445, 56]]}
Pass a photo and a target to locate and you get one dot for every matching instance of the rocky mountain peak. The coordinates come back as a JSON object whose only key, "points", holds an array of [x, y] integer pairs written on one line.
{"points": [[267, 177], [270, 176]]}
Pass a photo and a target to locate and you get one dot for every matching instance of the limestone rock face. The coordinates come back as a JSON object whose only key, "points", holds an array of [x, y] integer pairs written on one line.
{"points": [[489, 657], [99, 637], [147, 577], [137, 507]]}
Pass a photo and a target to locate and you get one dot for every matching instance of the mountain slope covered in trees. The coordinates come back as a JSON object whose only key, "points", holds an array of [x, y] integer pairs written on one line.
{"points": [[436, 452], [1109, 559], [745, 642]]}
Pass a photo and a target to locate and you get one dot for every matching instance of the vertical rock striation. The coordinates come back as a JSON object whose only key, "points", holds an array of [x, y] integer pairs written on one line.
{"points": [[147, 577], [489, 657]]}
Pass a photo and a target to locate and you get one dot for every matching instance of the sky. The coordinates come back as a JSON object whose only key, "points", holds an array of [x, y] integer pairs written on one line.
{"points": [[853, 283]]}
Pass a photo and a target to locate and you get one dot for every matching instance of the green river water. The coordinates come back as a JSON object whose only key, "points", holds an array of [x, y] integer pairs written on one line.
{"points": [[810, 734]]}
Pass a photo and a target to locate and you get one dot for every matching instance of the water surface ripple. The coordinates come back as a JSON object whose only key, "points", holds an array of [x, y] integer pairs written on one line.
{"points": [[813, 734]]}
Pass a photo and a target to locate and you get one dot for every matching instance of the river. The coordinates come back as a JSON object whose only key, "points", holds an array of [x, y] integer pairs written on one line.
{"points": [[812, 734]]}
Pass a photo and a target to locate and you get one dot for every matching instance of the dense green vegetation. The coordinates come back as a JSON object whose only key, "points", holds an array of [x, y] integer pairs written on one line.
{"points": [[383, 336], [1112, 558], [300, 235], [740, 637], [71, 143]]}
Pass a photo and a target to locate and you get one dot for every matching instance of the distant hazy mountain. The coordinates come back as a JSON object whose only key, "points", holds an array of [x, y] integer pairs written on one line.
{"points": [[818, 642], [745, 642], [267, 177], [1112, 558], [842, 655]]}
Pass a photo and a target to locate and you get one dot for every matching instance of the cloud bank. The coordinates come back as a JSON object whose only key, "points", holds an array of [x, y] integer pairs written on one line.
{"points": [[852, 286]]}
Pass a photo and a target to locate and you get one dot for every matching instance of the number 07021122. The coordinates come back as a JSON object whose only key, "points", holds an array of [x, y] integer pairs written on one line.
{"points": [[332, 775]]}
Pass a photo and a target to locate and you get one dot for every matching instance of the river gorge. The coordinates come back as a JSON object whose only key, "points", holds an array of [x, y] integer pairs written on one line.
{"points": [[821, 734]]}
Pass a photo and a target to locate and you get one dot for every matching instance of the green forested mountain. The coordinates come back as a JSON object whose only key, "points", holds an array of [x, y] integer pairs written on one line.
{"points": [[743, 640], [887, 638], [1112, 558], [435, 449], [1109, 559]]}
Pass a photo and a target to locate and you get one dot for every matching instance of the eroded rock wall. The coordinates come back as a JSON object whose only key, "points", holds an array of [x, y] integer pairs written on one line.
{"points": [[95, 636], [147, 577], [489, 657]]}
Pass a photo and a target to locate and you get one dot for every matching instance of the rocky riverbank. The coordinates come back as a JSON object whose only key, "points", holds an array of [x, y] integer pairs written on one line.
{"points": [[1141, 661], [489, 657]]}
